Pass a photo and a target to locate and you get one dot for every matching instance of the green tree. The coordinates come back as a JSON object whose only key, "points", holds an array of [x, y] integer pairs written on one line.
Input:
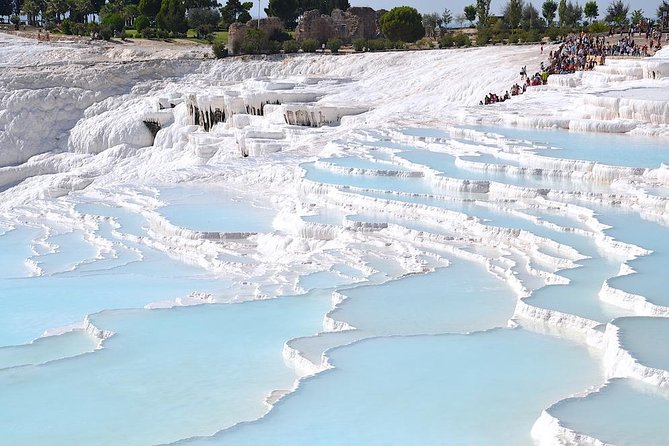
{"points": [[430, 22], [573, 14], [142, 22], [402, 23], [113, 21], [512, 13], [483, 11], [150, 8], [530, 18], [591, 10], [32, 9], [470, 14], [663, 10], [286, 10], [202, 16], [80, 10], [324, 6], [235, 11], [637, 16], [172, 16], [56, 8], [617, 13], [562, 12], [6, 8], [548, 10], [446, 18], [193, 4]]}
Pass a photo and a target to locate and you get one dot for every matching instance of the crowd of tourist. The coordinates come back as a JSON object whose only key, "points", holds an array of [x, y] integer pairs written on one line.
{"points": [[518, 89], [576, 53], [581, 52]]}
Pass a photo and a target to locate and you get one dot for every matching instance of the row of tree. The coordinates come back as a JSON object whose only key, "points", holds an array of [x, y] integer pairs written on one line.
{"points": [[519, 14]]}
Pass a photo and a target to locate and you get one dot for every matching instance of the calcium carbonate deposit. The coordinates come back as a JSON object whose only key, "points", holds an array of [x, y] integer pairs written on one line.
{"points": [[319, 249]]}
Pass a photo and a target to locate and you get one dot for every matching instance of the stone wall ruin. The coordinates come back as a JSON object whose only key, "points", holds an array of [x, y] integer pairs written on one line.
{"points": [[355, 23]]}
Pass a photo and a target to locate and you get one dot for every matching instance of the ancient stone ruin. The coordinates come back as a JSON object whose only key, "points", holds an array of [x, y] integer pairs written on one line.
{"points": [[355, 23], [237, 32]]}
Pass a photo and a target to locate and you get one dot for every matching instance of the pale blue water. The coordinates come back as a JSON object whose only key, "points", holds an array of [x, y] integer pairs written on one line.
{"points": [[402, 184], [70, 249], [177, 373], [211, 209], [15, 248], [445, 164], [47, 349], [646, 338], [451, 389], [363, 163], [130, 222], [625, 413], [651, 270], [29, 306], [607, 148], [166, 375], [474, 300]]}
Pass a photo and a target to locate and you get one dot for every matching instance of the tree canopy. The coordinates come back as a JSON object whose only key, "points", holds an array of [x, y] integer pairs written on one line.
{"points": [[150, 8], [663, 9], [172, 16], [402, 23], [286, 10], [617, 13], [548, 10], [483, 11], [6, 7], [470, 13], [591, 10], [513, 12], [235, 11]]}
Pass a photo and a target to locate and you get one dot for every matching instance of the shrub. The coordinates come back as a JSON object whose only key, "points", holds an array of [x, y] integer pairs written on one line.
{"points": [[309, 45], [279, 36], [424, 43], [255, 42], [113, 21], [219, 50], [142, 22], [79, 29], [274, 46], [333, 45], [462, 40], [483, 37], [106, 32], [446, 41], [532, 36], [598, 27], [66, 26], [359, 44], [148, 33], [378, 44], [291, 46], [93, 28]]}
